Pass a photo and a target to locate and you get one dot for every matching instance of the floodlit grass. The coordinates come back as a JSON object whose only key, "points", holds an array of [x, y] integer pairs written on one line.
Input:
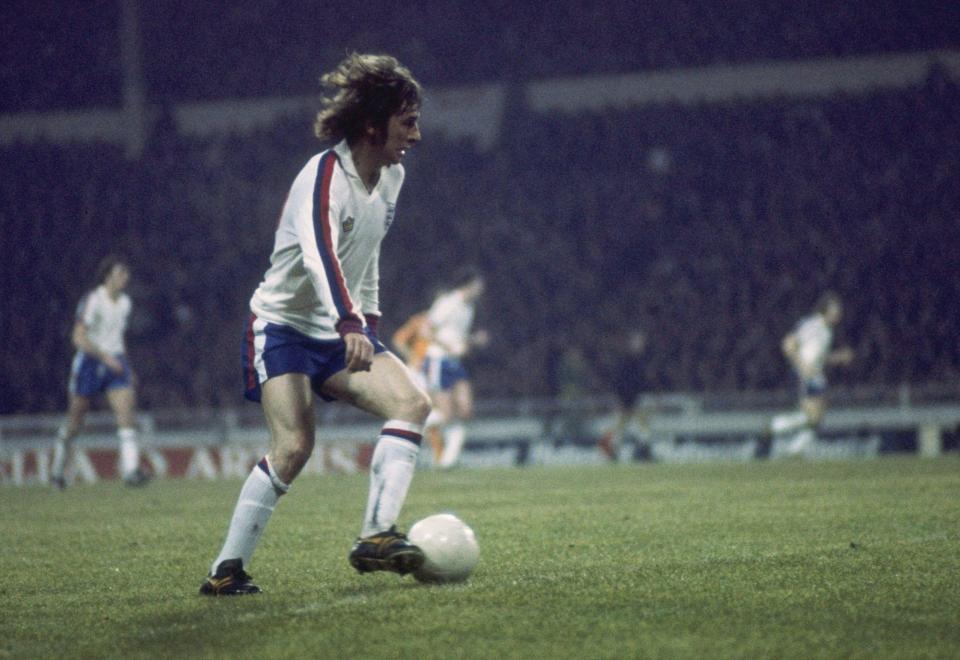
{"points": [[780, 559]]}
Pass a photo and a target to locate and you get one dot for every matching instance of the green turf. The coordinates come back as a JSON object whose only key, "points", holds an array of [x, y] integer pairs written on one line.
{"points": [[780, 559]]}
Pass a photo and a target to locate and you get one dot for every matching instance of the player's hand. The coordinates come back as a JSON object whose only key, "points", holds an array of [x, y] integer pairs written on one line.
{"points": [[113, 364], [359, 354], [842, 356], [480, 339]]}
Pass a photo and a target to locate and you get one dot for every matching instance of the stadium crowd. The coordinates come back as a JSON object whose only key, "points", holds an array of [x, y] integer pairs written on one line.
{"points": [[714, 227]]}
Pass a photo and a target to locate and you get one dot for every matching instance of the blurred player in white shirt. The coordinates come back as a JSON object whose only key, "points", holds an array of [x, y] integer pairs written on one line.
{"points": [[313, 327], [808, 348], [100, 366], [450, 320]]}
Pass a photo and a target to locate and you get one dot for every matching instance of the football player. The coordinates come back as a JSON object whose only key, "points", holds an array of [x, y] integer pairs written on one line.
{"points": [[313, 327], [100, 366], [449, 321], [808, 349]]}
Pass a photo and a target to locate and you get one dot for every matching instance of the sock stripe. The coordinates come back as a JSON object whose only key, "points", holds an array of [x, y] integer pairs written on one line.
{"points": [[410, 436], [403, 426], [278, 484]]}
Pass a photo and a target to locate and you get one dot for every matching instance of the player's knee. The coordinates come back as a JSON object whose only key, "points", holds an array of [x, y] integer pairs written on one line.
{"points": [[415, 406], [126, 420], [293, 449]]}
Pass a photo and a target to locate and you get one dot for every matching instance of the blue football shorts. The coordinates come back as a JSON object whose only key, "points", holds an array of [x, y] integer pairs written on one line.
{"points": [[812, 387], [443, 373], [90, 377], [271, 349]]}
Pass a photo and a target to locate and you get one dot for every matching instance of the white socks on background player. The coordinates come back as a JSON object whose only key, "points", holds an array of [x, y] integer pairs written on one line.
{"points": [[258, 498], [796, 424], [801, 440], [391, 471], [453, 437], [788, 422], [61, 452], [129, 452]]}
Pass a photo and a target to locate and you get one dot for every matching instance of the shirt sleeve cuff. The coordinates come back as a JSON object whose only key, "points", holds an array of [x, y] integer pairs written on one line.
{"points": [[373, 322], [349, 325]]}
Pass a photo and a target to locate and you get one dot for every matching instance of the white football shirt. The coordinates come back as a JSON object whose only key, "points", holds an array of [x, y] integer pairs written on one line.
{"points": [[324, 270], [814, 338], [450, 318], [105, 319]]}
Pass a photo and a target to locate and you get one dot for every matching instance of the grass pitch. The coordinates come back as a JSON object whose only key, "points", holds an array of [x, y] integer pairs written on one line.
{"points": [[779, 559]]}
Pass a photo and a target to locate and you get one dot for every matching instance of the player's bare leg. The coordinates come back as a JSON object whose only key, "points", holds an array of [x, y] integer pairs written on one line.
{"points": [[813, 408], [288, 406], [436, 424], [77, 410], [123, 402], [610, 441], [388, 391], [453, 438]]}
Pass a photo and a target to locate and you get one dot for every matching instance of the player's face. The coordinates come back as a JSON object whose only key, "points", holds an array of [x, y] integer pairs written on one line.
{"points": [[118, 278], [403, 132], [832, 314], [474, 289]]}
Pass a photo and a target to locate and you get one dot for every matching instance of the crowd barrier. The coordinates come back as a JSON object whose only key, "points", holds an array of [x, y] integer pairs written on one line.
{"points": [[212, 444]]}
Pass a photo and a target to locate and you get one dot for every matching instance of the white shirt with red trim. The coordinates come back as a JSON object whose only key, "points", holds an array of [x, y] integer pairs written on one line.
{"points": [[450, 318], [105, 319], [324, 270]]}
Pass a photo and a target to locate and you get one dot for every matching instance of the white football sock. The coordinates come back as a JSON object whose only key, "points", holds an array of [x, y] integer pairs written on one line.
{"points": [[391, 471], [453, 438], [433, 419], [61, 453], [788, 422], [129, 451], [803, 439], [258, 498]]}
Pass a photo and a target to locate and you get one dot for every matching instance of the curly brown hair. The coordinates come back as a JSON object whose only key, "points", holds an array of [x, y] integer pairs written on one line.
{"points": [[369, 89]]}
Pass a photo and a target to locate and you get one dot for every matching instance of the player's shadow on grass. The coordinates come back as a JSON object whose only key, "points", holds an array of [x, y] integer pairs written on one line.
{"points": [[190, 630], [374, 587]]}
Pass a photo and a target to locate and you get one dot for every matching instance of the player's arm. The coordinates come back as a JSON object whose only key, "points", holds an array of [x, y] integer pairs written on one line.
{"points": [[841, 356], [790, 346], [791, 349], [479, 338], [317, 221]]}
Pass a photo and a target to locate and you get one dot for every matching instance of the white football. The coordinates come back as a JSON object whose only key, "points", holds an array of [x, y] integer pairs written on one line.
{"points": [[449, 546]]}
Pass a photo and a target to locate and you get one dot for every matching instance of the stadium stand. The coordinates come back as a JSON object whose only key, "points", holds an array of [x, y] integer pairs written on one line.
{"points": [[194, 51], [714, 225]]}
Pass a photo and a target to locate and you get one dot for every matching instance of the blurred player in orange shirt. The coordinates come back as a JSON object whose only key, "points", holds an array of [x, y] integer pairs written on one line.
{"points": [[411, 341]]}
